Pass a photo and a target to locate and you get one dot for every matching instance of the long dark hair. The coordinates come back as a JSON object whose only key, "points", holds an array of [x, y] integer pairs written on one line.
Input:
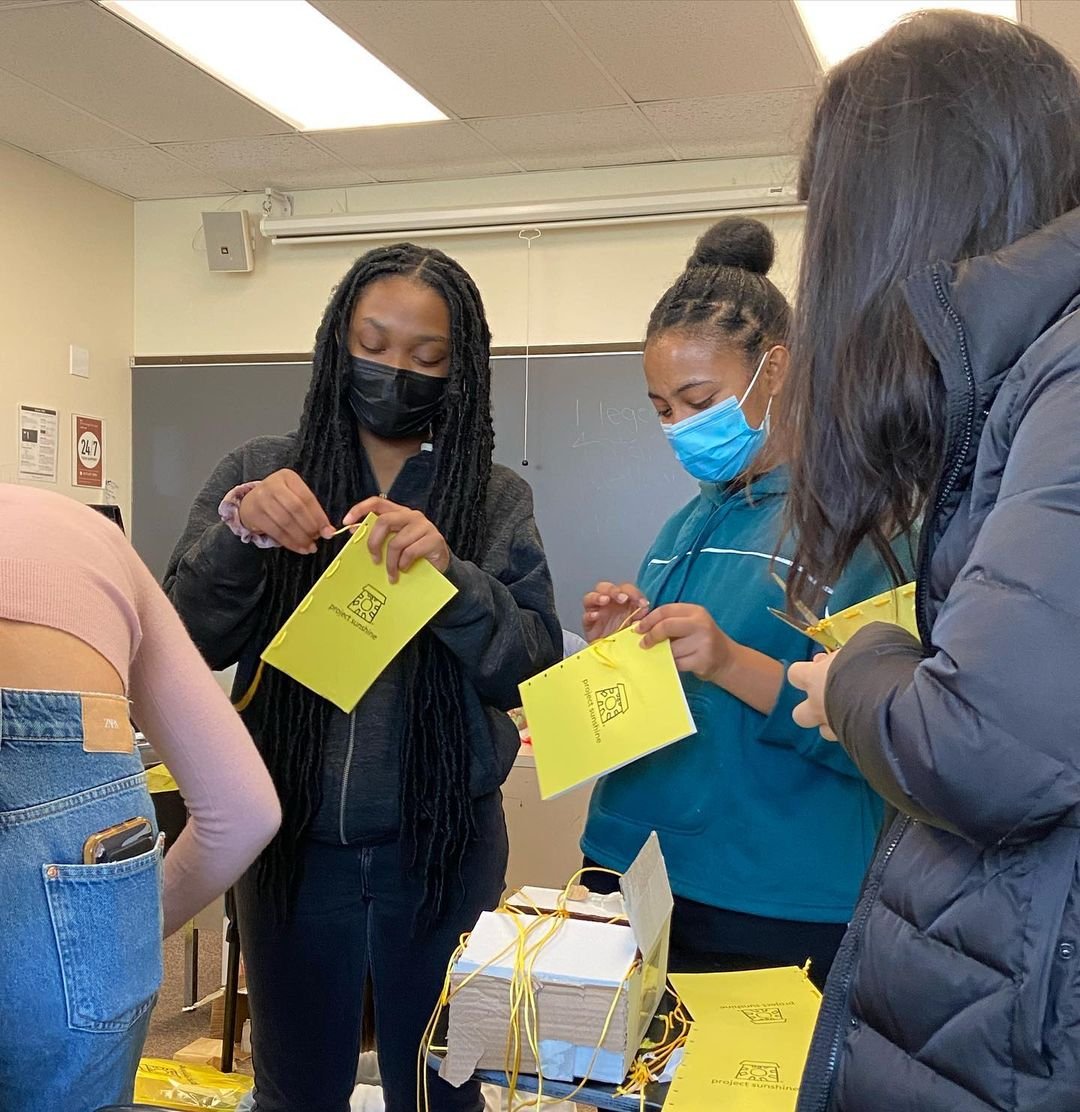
{"points": [[951, 136], [289, 721], [724, 293]]}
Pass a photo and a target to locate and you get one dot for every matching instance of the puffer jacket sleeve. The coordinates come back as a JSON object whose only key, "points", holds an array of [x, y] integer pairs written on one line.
{"points": [[981, 738]]}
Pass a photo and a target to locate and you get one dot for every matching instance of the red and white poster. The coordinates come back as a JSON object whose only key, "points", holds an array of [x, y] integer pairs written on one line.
{"points": [[88, 452]]}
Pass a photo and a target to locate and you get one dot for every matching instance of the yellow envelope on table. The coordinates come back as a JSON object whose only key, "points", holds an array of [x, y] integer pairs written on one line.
{"points": [[603, 708], [748, 1045], [354, 621]]}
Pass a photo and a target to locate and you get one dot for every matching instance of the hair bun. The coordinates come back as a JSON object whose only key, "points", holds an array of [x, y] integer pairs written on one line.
{"points": [[737, 241]]}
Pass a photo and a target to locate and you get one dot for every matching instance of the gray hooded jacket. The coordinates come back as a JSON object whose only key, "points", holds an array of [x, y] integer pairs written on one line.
{"points": [[501, 626]]}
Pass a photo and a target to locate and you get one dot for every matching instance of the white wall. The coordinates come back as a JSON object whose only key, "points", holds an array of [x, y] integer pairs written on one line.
{"points": [[594, 285], [66, 277]]}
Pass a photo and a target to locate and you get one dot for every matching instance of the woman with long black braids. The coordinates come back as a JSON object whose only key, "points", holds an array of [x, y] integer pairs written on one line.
{"points": [[393, 838]]}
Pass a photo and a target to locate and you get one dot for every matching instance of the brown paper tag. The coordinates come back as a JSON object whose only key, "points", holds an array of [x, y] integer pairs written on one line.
{"points": [[106, 726]]}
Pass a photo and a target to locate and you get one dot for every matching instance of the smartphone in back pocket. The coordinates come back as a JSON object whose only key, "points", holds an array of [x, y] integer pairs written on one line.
{"points": [[120, 842]]}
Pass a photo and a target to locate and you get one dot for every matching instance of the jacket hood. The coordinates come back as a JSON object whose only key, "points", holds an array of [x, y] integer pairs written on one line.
{"points": [[1002, 302]]}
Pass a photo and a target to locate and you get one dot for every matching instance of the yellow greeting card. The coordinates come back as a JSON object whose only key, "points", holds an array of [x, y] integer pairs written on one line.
{"points": [[602, 708], [354, 621], [832, 632], [747, 1048]]}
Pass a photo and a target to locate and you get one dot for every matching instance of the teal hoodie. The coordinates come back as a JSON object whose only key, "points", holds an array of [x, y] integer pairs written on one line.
{"points": [[754, 814]]}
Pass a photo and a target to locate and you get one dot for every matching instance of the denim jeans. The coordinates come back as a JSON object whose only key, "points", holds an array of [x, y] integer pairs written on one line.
{"points": [[80, 945], [354, 918]]}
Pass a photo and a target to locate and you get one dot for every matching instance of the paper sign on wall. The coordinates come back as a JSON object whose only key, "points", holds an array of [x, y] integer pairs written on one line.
{"points": [[88, 451], [38, 429]]}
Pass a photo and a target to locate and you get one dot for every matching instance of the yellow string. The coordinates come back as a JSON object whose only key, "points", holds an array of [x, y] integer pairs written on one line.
{"points": [[245, 700], [650, 1065], [523, 1010], [534, 929], [540, 1098], [597, 646]]}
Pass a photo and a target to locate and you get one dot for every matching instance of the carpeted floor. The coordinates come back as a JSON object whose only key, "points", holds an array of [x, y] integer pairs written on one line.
{"points": [[171, 1028]]}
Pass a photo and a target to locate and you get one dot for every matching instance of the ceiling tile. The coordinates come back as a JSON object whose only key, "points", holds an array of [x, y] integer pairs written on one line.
{"points": [[277, 161], [141, 172], [568, 140], [86, 56], [736, 126], [32, 119], [672, 49], [417, 152], [481, 58], [1057, 20]]}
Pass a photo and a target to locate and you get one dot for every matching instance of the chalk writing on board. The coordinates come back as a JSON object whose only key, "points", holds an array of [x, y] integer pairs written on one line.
{"points": [[628, 438], [601, 423]]}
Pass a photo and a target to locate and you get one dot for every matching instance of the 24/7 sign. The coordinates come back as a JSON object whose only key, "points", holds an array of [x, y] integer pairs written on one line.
{"points": [[88, 452]]}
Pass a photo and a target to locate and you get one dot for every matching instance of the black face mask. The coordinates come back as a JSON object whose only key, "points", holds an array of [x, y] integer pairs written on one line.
{"points": [[393, 403]]}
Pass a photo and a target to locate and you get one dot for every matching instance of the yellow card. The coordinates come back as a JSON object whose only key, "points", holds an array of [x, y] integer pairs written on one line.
{"points": [[897, 607], [747, 1049], [354, 621], [741, 997], [602, 708]]}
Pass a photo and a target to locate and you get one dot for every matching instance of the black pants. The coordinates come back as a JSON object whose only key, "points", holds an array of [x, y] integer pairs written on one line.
{"points": [[354, 918], [708, 939]]}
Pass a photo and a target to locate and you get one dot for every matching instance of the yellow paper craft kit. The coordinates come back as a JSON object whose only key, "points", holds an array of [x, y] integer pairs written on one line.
{"points": [[896, 607], [747, 1048], [603, 708], [354, 621]]}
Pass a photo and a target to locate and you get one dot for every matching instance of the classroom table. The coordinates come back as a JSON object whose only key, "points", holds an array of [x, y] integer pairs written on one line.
{"points": [[592, 1095]]}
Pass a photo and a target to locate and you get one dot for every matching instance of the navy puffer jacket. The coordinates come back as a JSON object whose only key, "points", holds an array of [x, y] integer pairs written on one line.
{"points": [[958, 985]]}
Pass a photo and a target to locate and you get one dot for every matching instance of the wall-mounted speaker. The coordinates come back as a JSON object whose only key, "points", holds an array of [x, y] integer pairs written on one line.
{"points": [[229, 243]]}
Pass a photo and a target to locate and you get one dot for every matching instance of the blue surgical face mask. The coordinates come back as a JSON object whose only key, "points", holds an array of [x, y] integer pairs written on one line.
{"points": [[718, 444]]}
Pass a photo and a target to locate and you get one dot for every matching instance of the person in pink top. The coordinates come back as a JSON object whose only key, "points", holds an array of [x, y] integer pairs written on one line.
{"points": [[85, 631]]}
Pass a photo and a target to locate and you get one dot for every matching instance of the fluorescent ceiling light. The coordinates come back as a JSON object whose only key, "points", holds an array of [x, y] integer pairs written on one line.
{"points": [[838, 28], [286, 56]]}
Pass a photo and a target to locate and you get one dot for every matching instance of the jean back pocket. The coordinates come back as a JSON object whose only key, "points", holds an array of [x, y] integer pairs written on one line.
{"points": [[107, 922]]}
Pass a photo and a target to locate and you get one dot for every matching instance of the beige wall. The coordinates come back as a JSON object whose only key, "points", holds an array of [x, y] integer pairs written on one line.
{"points": [[80, 267], [594, 285], [66, 277]]}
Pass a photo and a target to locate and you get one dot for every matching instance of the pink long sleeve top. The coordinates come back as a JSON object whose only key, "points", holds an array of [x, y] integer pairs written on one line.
{"points": [[66, 567]]}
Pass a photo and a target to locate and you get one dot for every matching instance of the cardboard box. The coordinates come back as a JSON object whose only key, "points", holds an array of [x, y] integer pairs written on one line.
{"points": [[583, 904], [217, 1015], [588, 970], [207, 1052], [544, 835]]}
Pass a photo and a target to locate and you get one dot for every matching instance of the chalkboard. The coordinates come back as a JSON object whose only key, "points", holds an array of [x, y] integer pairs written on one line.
{"points": [[603, 477]]}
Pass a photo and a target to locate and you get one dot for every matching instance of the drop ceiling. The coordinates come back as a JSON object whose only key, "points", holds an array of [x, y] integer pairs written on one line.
{"points": [[528, 86]]}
